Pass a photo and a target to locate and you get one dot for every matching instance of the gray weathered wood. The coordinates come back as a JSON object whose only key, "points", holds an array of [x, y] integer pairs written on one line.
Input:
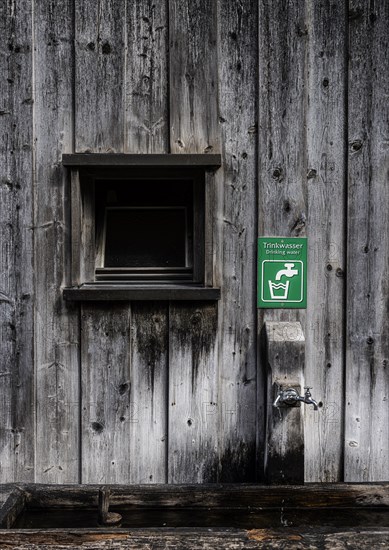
{"points": [[147, 79], [57, 323], [148, 393], [282, 186], [255, 539], [235, 209], [105, 355], [229, 495], [100, 76], [285, 357], [147, 131], [193, 398], [106, 405], [193, 364], [367, 344], [193, 77], [282, 110], [326, 177], [16, 244]]}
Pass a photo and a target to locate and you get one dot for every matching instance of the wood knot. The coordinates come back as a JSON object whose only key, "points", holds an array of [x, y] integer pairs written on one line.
{"points": [[106, 48], [311, 173], [97, 427], [356, 145]]}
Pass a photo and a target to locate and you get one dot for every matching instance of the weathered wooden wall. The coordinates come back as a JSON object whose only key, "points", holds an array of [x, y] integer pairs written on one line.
{"points": [[294, 96]]}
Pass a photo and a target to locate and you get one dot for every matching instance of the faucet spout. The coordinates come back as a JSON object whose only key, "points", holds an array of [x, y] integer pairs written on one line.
{"points": [[307, 398], [309, 401]]}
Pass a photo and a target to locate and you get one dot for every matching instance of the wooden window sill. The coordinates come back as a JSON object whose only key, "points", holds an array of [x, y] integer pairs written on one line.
{"points": [[99, 292]]}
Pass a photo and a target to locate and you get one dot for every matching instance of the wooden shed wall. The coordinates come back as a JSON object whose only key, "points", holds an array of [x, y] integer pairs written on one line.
{"points": [[294, 96]]}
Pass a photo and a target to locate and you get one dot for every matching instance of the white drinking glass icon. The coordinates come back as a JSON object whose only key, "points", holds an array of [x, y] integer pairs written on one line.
{"points": [[279, 291]]}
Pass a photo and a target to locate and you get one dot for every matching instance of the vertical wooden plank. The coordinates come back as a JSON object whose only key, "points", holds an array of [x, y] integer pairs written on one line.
{"points": [[147, 97], [326, 176], [16, 244], [193, 441], [192, 327], [147, 131], [193, 77], [282, 115], [141, 78], [237, 414], [148, 393], [99, 127], [282, 191], [285, 356], [367, 380], [57, 323], [99, 92], [106, 407]]}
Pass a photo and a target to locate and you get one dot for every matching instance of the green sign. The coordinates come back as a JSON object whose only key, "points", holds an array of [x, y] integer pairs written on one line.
{"points": [[282, 272]]}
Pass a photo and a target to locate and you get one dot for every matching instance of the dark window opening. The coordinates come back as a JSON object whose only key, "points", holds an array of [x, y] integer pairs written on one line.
{"points": [[145, 237], [146, 230]]}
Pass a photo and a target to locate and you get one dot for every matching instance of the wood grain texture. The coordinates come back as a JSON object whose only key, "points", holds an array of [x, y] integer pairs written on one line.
{"points": [[106, 405], [193, 364], [196, 539], [282, 185], [16, 244], [100, 76], [147, 79], [230, 495], [105, 353], [326, 178], [235, 209], [302, 168], [285, 357], [147, 131], [148, 393], [282, 116], [193, 76], [193, 394], [367, 344], [57, 323]]}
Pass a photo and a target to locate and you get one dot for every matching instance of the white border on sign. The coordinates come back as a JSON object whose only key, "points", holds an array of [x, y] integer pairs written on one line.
{"points": [[282, 300]]}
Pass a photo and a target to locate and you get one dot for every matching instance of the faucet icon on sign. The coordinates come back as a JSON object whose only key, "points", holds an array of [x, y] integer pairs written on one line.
{"points": [[280, 291], [288, 272]]}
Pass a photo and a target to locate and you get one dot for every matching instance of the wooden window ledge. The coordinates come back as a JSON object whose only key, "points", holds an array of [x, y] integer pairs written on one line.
{"points": [[99, 292]]}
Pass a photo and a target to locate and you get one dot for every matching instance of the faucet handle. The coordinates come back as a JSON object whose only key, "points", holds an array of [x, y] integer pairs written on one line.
{"points": [[308, 387]]}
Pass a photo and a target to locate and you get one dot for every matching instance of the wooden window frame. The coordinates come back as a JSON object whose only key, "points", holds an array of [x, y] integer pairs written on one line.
{"points": [[86, 255]]}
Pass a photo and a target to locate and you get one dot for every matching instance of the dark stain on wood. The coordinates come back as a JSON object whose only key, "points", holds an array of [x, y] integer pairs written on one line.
{"points": [[238, 463], [195, 329], [151, 335]]}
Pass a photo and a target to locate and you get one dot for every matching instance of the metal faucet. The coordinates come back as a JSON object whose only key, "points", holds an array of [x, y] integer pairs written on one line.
{"points": [[290, 397]]}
